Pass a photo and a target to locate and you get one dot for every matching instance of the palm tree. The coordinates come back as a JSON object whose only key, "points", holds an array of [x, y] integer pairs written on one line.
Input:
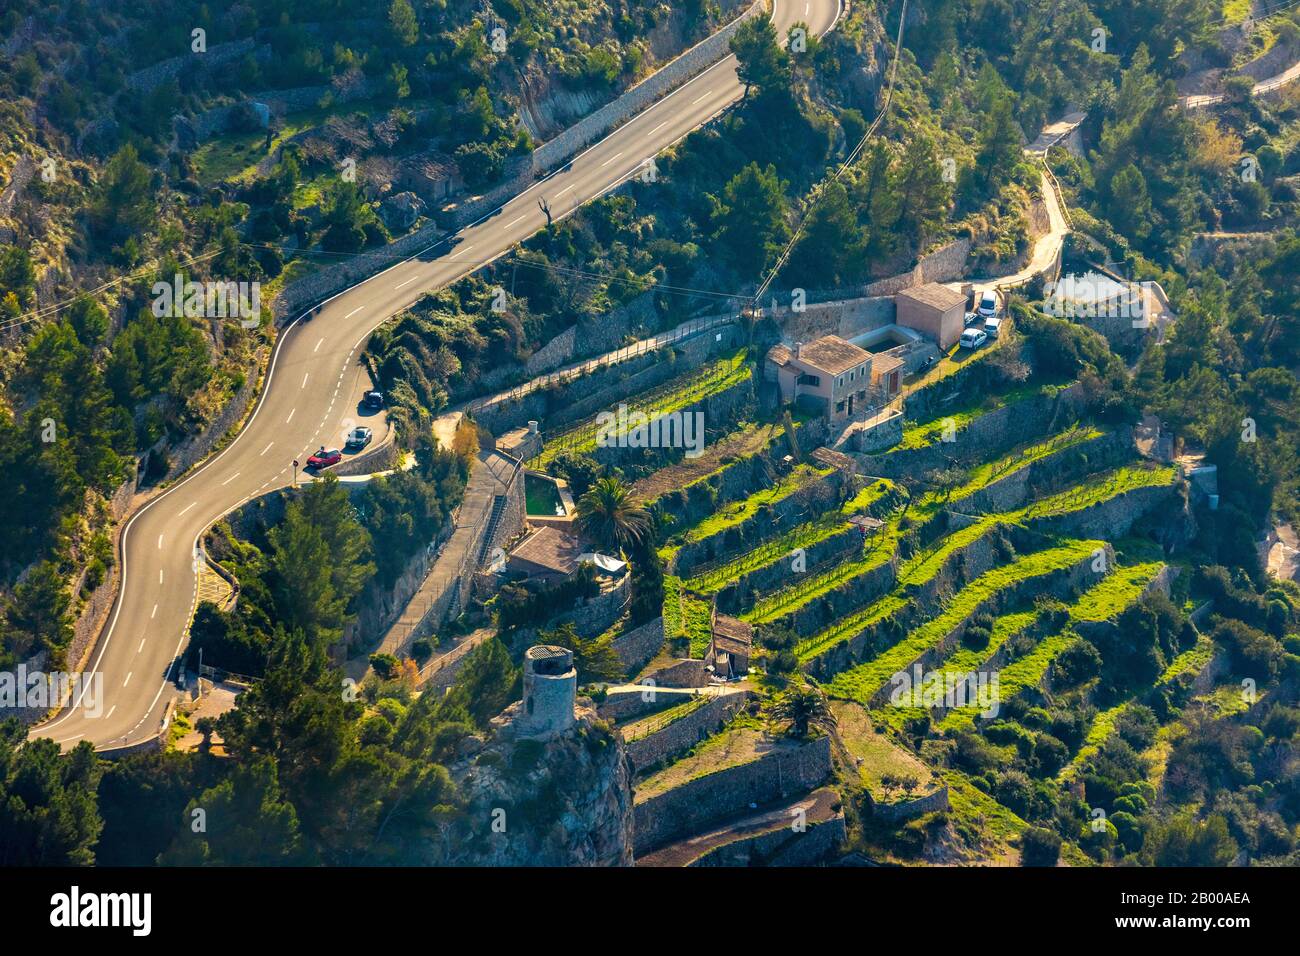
{"points": [[802, 707], [608, 515]]}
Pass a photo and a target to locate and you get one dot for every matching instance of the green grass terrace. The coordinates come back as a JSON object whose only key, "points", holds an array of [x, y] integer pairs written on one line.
{"points": [[711, 379], [862, 683], [806, 535], [1101, 602]]}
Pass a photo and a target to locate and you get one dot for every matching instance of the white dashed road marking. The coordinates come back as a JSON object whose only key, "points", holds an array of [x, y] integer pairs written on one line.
{"points": [[618, 154], [128, 678], [461, 252], [318, 345], [290, 418], [188, 507], [354, 312], [230, 479], [702, 98], [657, 128], [304, 379], [267, 448], [407, 282]]}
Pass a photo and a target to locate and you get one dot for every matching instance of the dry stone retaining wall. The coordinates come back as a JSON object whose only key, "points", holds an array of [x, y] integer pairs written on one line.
{"points": [[735, 596], [589, 619], [637, 647], [963, 565], [1067, 581], [681, 673], [991, 433], [780, 847], [1064, 468], [720, 410], [936, 800], [1112, 518], [706, 800], [685, 732], [815, 498]]}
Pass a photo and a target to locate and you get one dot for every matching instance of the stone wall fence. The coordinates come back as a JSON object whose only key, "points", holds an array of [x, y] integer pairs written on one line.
{"points": [[629, 704], [151, 77], [589, 619], [683, 672], [698, 803], [637, 647], [935, 800], [783, 846], [816, 497], [685, 732]]}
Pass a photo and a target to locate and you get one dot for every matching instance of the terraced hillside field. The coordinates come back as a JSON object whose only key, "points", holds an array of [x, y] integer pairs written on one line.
{"points": [[932, 610]]}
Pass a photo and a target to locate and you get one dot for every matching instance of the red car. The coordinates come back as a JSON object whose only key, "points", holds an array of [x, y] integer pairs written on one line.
{"points": [[324, 458]]}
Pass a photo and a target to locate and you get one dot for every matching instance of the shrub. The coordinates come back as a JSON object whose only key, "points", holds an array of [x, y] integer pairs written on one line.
{"points": [[1078, 663], [1039, 847], [385, 665], [1050, 754]]}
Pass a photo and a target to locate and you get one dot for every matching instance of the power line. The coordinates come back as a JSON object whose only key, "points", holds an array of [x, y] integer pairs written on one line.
{"points": [[844, 166], [515, 259], [685, 291], [58, 307], [1263, 16]]}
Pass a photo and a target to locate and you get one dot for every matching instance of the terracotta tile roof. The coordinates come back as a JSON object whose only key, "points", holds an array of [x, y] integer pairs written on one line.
{"points": [[934, 295], [832, 355], [732, 635], [779, 355], [552, 549], [882, 363]]}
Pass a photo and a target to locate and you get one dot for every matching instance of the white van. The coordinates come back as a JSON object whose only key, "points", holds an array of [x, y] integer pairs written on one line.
{"points": [[988, 304]]}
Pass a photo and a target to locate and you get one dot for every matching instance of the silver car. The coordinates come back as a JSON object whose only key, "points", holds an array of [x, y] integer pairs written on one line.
{"points": [[358, 438]]}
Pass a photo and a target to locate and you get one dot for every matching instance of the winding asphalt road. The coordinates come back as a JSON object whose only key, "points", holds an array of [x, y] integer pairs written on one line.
{"points": [[310, 398]]}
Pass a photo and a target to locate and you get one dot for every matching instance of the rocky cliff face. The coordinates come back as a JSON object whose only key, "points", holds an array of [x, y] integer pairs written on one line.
{"points": [[566, 801]]}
